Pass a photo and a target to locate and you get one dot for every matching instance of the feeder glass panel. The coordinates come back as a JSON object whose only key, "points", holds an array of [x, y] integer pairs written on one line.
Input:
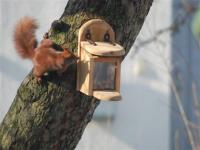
{"points": [[104, 76]]}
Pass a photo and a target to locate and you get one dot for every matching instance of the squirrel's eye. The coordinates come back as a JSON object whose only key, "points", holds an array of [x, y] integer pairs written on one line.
{"points": [[88, 35], [107, 37]]}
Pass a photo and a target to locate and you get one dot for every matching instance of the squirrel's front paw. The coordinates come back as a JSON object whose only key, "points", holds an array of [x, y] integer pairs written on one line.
{"points": [[39, 80]]}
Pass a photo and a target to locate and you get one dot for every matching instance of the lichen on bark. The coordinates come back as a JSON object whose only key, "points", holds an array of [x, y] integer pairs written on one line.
{"points": [[53, 115]]}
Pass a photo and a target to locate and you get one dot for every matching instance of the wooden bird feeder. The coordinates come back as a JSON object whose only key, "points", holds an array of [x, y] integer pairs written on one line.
{"points": [[98, 69]]}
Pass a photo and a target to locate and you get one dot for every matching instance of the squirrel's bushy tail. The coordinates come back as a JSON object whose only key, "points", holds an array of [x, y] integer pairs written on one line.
{"points": [[24, 37]]}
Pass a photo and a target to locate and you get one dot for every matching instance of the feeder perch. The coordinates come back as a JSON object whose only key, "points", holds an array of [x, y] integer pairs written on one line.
{"points": [[98, 69]]}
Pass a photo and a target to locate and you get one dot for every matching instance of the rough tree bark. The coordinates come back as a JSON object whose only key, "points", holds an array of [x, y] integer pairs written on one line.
{"points": [[53, 115]]}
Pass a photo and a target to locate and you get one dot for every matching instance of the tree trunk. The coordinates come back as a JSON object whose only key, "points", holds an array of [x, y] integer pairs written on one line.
{"points": [[53, 115]]}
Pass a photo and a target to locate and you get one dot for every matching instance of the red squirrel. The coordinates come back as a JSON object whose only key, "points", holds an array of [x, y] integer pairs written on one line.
{"points": [[44, 57]]}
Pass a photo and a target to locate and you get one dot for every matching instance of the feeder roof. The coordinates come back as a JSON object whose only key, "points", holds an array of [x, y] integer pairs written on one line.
{"points": [[103, 48]]}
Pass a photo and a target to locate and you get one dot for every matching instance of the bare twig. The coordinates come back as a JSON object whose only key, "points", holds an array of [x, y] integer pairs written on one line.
{"points": [[177, 23], [189, 9], [180, 107]]}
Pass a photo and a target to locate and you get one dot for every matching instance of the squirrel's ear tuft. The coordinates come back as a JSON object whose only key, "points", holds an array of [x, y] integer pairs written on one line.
{"points": [[46, 43]]}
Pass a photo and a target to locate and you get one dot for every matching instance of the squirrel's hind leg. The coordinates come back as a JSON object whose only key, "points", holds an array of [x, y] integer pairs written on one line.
{"points": [[38, 73]]}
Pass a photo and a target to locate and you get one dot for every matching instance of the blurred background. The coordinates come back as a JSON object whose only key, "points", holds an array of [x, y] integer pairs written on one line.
{"points": [[160, 109]]}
